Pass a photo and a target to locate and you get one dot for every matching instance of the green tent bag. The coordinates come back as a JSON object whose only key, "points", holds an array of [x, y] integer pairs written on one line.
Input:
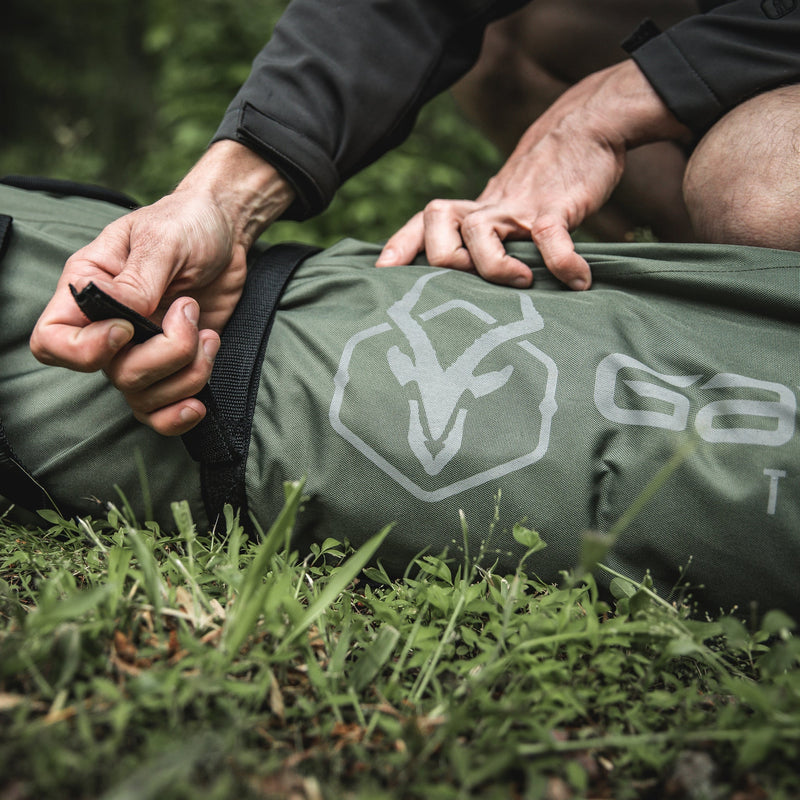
{"points": [[423, 397]]}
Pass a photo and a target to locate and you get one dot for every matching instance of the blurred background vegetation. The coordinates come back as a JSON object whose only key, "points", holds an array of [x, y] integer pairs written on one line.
{"points": [[128, 94]]}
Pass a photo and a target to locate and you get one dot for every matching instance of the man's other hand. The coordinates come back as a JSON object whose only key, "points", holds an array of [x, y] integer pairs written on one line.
{"points": [[564, 168]]}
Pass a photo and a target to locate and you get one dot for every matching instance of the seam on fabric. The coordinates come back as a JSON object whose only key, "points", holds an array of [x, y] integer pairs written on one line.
{"points": [[694, 72], [247, 133], [699, 271]]}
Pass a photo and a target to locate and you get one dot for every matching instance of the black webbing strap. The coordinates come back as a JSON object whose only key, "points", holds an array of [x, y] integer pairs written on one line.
{"points": [[65, 188], [236, 376], [17, 484]]}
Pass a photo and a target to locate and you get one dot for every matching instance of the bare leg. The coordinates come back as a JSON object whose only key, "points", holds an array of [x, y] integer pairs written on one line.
{"points": [[530, 58], [757, 202]]}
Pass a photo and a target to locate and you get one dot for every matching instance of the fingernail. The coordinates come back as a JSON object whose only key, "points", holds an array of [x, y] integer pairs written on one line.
{"points": [[210, 348], [386, 257], [189, 414], [521, 282], [119, 335], [192, 312], [578, 284]]}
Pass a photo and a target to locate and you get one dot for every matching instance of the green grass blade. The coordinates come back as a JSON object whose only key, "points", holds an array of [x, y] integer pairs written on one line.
{"points": [[276, 536], [253, 592], [374, 657], [148, 567], [340, 579]]}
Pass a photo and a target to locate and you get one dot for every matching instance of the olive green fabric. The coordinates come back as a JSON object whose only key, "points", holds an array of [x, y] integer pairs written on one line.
{"points": [[561, 420], [420, 397], [74, 431]]}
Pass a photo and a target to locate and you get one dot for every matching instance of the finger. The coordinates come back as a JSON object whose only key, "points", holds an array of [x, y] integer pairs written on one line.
{"points": [[551, 236], [181, 385], [84, 349], [104, 257], [63, 335], [150, 267], [106, 261], [133, 259], [143, 250], [403, 246], [175, 419], [483, 235], [163, 355], [443, 244]]}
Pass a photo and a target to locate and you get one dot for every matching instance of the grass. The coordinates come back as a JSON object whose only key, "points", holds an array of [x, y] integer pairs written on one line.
{"points": [[141, 663]]}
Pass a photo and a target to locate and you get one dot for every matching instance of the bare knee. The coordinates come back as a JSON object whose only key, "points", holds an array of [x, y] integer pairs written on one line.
{"points": [[742, 183]]}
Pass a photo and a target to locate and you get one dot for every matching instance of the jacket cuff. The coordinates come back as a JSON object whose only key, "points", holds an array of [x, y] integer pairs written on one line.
{"points": [[310, 172], [678, 84]]}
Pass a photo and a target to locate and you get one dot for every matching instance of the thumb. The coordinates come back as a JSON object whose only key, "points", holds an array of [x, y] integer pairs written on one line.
{"points": [[85, 349]]}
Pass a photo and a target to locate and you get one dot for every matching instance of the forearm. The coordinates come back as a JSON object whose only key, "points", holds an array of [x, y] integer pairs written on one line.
{"points": [[249, 191], [616, 106]]}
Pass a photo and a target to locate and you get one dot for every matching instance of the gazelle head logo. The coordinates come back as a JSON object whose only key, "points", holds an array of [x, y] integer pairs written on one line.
{"points": [[438, 395], [439, 408]]}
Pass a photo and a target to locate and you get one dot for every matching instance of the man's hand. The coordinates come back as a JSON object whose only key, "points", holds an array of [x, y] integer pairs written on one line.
{"points": [[564, 168], [179, 245], [190, 244]]}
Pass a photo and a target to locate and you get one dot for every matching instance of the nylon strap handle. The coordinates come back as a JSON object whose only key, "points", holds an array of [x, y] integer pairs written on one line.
{"points": [[236, 376], [64, 188]]}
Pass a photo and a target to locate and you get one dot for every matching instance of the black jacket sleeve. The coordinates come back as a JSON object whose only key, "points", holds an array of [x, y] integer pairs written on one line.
{"points": [[340, 83], [709, 63]]}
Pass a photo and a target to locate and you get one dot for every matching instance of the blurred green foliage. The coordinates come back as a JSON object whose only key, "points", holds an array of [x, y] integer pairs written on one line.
{"points": [[128, 95]]}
